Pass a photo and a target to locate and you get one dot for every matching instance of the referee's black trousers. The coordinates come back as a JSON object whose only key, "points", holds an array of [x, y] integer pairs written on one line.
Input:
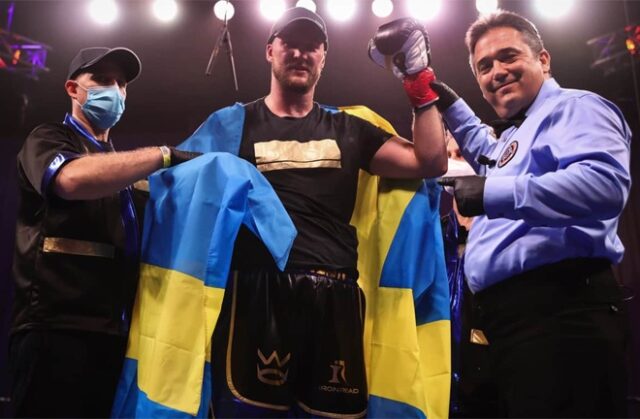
{"points": [[557, 338]]}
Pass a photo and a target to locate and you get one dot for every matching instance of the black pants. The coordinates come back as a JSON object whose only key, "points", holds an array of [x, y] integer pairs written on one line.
{"points": [[557, 338], [67, 374]]}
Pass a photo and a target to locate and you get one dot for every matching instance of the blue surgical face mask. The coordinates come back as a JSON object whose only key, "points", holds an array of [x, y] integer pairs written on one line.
{"points": [[104, 106]]}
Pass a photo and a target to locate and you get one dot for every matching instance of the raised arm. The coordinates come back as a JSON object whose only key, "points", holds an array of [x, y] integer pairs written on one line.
{"points": [[402, 46]]}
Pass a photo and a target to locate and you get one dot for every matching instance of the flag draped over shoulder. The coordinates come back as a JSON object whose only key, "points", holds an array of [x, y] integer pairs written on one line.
{"points": [[402, 272], [403, 275], [193, 216]]}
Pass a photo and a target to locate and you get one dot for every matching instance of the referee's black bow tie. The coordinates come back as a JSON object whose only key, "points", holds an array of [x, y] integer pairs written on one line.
{"points": [[501, 125]]}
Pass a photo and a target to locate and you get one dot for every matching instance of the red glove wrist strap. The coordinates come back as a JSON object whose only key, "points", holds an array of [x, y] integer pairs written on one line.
{"points": [[418, 88]]}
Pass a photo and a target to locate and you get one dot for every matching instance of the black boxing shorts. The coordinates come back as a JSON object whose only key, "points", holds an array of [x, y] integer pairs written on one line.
{"points": [[290, 344]]}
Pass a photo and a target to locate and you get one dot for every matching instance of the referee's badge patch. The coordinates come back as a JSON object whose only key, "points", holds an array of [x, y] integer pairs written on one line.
{"points": [[508, 154]]}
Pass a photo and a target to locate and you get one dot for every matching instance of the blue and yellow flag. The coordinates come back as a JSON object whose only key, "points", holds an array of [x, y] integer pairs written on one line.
{"points": [[403, 275], [191, 221], [402, 272]]}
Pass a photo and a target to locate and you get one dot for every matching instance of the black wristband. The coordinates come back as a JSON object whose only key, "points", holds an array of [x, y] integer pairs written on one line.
{"points": [[417, 110], [447, 95], [181, 156]]}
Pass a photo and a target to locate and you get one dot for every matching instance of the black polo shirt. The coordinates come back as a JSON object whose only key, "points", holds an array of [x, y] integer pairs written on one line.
{"points": [[70, 268]]}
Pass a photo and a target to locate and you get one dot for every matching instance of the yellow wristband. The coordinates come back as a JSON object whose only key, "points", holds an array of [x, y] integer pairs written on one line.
{"points": [[166, 156]]}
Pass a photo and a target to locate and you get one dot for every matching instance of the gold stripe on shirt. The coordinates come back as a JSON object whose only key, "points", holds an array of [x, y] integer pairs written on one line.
{"points": [[77, 247], [280, 155], [142, 185]]}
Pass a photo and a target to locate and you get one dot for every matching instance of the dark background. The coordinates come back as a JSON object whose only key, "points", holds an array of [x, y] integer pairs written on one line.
{"points": [[173, 95]]}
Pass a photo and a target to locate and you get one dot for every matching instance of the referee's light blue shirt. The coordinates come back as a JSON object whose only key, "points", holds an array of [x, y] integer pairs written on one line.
{"points": [[557, 190]]}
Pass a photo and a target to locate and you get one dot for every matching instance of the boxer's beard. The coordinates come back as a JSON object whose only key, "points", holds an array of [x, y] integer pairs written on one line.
{"points": [[290, 83]]}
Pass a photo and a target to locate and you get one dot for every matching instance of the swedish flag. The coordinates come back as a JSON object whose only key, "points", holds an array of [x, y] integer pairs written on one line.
{"points": [[403, 275], [193, 216]]}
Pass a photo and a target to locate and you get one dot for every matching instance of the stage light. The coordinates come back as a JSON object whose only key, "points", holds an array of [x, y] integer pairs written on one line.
{"points": [[611, 51], [224, 10], [272, 9], [341, 10], [552, 9], [424, 9], [307, 4], [633, 39], [165, 10], [484, 7], [382, 8], [631, 46], [16, 57], [103, 12]]}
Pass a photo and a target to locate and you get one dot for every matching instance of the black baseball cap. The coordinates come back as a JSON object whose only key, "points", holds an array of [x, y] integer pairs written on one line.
{"points": [[87, 57], [298, 14]]}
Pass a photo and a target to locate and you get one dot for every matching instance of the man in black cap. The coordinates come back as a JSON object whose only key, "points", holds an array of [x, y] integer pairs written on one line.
{"points": [[76, 255], [303, 328]]}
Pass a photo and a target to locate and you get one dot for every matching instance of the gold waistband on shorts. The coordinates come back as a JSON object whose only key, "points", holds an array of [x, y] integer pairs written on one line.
{"points": [[330, 274], [78, 247]]}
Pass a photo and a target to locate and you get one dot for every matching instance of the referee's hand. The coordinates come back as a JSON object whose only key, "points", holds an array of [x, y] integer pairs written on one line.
{"points": [[468, 192]]}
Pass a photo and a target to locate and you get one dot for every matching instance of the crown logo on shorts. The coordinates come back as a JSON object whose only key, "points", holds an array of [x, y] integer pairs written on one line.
{"points": [[276, 375]]}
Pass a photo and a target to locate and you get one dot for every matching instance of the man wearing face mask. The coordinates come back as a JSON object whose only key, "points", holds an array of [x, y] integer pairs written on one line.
{"points": [[76, 255]]}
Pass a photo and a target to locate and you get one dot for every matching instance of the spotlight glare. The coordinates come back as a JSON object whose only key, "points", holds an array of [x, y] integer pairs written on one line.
{"points": [[224, 8], [341, 10], [382, 8], [307, 4], [484, 7], [424, 9], [631, 46], [272, 9], [552, 9], [165, 10], [103, 12]]}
